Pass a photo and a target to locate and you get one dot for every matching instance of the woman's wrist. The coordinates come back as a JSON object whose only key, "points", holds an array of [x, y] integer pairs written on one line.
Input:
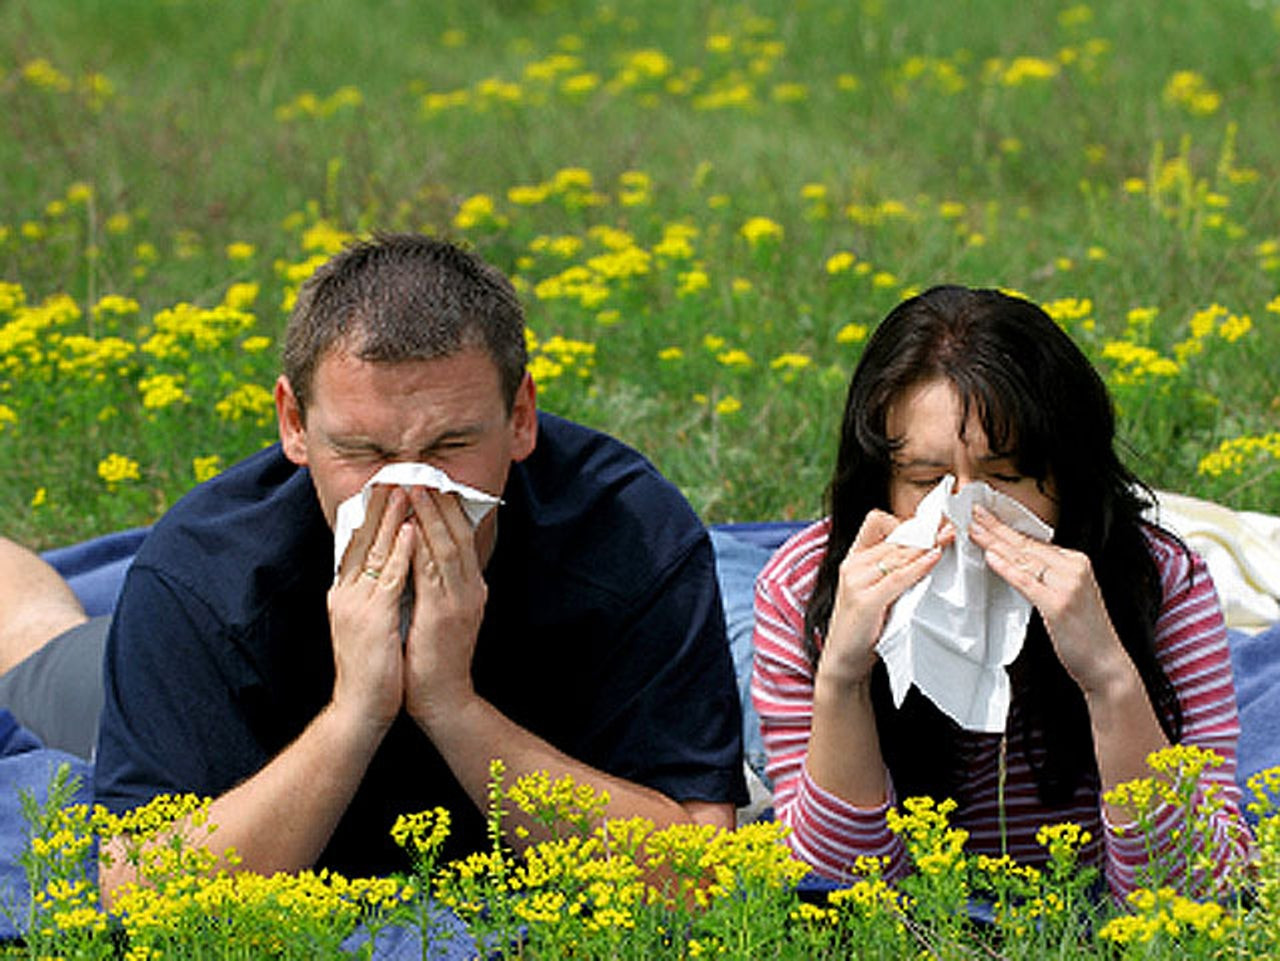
{"points": [[831, 686]]}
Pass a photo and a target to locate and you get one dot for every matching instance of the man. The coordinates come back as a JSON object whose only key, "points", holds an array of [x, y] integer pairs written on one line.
{"points": [[576, 630]]}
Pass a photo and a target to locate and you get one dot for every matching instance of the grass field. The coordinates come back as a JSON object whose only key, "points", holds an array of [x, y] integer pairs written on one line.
{"points": [[706, 207]]}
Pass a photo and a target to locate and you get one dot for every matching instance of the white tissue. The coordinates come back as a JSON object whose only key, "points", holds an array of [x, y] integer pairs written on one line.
{"points": [[475, 503], [953, 633]]}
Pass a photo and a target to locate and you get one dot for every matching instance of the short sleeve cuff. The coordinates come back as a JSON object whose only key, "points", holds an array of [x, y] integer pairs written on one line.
{"points": [[830, 834]]}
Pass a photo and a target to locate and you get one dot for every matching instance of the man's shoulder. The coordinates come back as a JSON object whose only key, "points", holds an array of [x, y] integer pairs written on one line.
{"points": [[600, 505], [259, 514], [594, 469]]}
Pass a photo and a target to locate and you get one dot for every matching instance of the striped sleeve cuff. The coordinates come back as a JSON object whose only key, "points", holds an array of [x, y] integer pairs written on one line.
{"points": [[829, 833]]}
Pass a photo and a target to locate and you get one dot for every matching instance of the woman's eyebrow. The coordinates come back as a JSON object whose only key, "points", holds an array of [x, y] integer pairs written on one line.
{"points": [[919, 462]]}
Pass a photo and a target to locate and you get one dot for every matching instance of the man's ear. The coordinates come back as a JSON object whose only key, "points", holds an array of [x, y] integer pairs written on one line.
{"points": [[524, 420], [291, 422]]}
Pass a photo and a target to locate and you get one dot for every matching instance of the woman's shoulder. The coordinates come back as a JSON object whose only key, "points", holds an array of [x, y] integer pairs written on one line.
{"points": [[795, 564], [1180, 567]]}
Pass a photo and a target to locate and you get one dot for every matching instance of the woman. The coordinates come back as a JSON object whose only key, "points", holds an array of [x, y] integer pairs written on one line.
{"points": [[1126, 651]]}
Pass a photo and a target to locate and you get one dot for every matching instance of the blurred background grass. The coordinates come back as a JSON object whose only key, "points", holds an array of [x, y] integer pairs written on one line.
{"points": [[705, 206]]}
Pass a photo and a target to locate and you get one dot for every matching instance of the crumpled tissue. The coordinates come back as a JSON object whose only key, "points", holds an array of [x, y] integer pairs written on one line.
{"points": [[953, 633], [475, 503]]}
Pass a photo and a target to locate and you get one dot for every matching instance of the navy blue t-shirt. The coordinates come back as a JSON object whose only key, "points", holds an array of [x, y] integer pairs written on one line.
{"points": [[603, 633]]}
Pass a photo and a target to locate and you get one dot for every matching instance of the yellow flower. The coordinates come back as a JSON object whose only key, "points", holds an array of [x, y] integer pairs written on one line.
{"points": [[840, 262], [116, 468], [1067, 309], [851, 334], [160, 391], [735, 357], [790, 361], [691, 282], [1235, 455], [572, 178], [1189, 90], [114, 305], [38, 499], [323, 238], [41, 73], [247, 400], [206, 467], [1024, 69], [7, 417], [239, 251], [728, 405], [255, 344], [761, 229], [670, 353], [528, 195]]}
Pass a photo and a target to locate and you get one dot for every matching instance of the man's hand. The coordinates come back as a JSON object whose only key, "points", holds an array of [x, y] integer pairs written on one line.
{"points": [[448, 607], [364, 611]]}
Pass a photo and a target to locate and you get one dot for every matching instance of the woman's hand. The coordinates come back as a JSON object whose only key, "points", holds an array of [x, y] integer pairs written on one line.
{"points": [[873, 574], [1060, 584]]}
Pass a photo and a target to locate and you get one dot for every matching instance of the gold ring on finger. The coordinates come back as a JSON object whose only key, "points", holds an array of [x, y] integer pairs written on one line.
{"points": [[372, 572], [1041, 573], [883, 568]]}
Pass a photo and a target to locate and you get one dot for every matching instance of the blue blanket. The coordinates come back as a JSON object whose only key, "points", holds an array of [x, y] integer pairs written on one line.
{"points": [[25, 766]]}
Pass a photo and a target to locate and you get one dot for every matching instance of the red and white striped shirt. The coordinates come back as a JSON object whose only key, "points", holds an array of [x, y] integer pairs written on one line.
{"points": [[829, 833]]}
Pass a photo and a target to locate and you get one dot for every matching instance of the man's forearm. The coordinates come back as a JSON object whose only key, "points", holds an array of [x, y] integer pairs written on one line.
{"points": [[281, 818], [475, 732]]}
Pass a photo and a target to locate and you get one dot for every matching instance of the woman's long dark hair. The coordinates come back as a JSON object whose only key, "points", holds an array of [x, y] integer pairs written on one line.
{"points": [[1038, 398]]}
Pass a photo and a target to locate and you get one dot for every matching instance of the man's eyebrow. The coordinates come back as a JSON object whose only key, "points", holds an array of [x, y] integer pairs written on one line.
{"points": [[360, 442], [353, 442], [462, 432]]}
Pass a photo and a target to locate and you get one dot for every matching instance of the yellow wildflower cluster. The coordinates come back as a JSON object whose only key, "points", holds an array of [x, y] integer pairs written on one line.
{"points": [[1064, 840], [551, 359], [162, 390], [1164, 915], [558, 801], [204, 468], [935, 846], [115, 469], [309, 104], [477, 211], [1136, 364], [1070, 311], [26, 337], [1237, 454], [1190, 91], [1020, 70], [114, 306], [248, 401], [760, 230], [422, 832], [184, 326]]}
